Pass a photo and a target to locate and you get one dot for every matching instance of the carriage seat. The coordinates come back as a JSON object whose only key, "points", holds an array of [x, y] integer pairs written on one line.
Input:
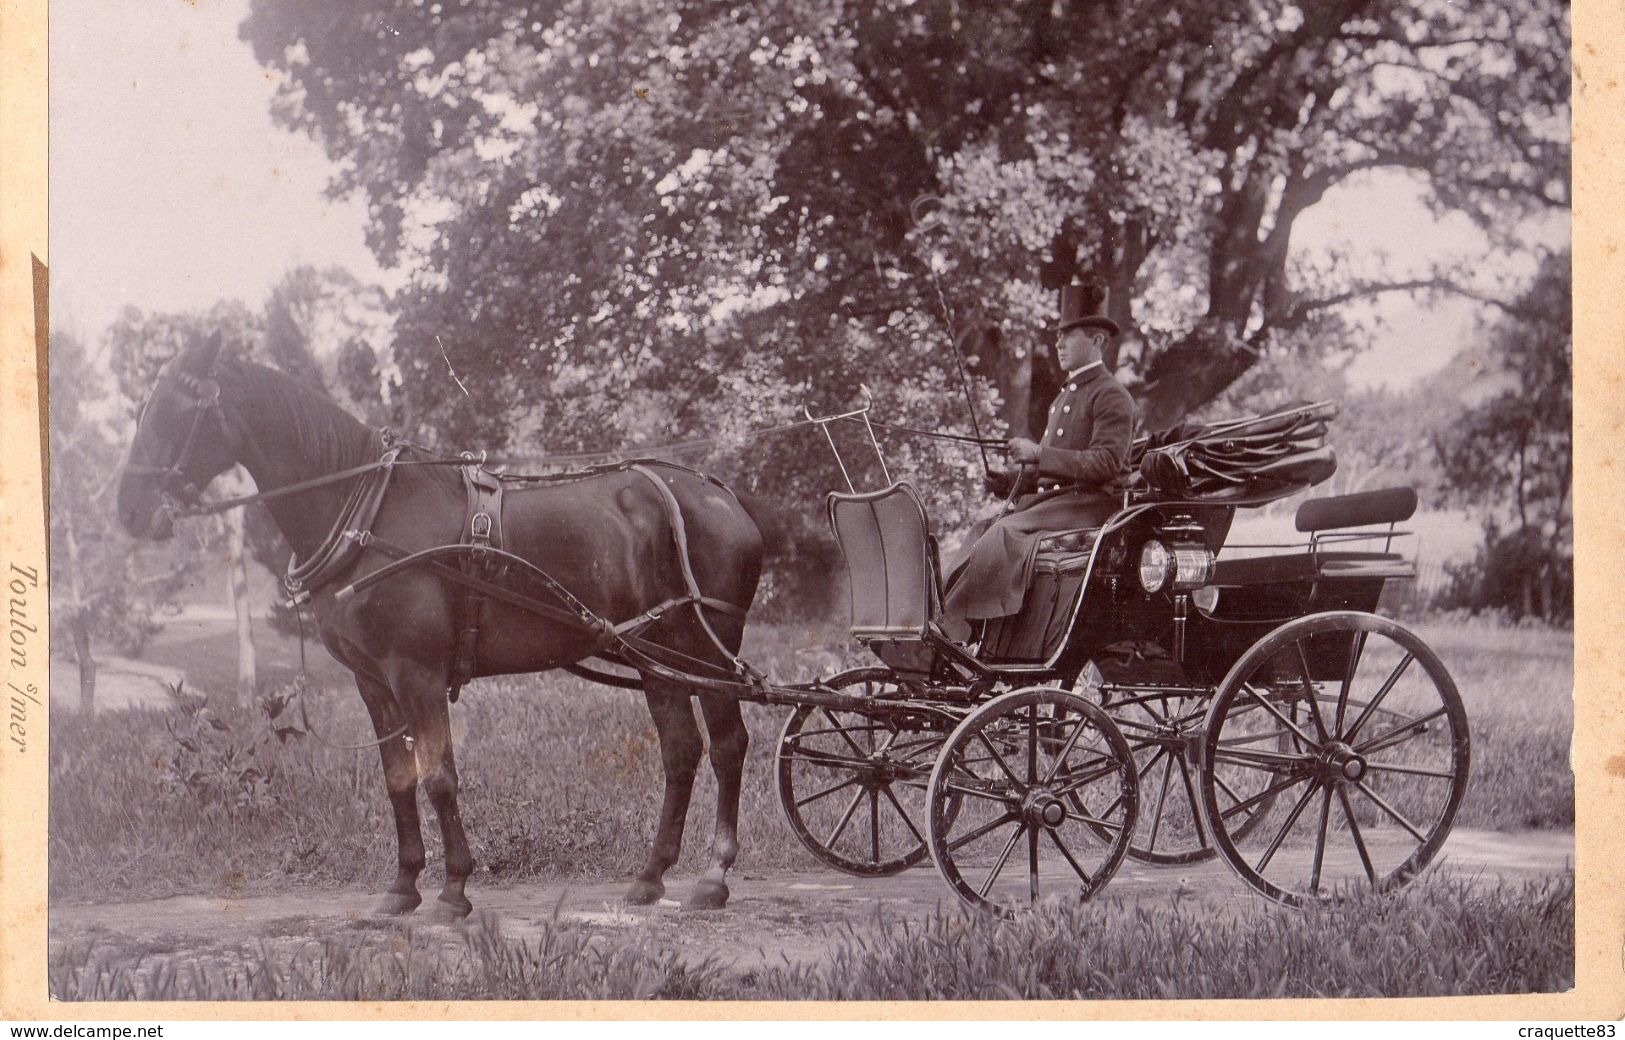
{"points": [[1314, 561], [891, 561]]}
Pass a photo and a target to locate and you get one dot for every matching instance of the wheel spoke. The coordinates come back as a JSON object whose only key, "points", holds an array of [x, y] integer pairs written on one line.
{"points": [[982, 831], [874, 825], [1356, 650], [1384, 767], [1071, 742], [1280, 835], [846, 818], [1190, 800], [1273, 710], [1354, 832], [1311, 692], [1320, 839], [1077, 868], [1387, 685], [976, 792], [838, 728], [1032, 865], [1268, 792], [826, 760], [825, 792], [1032, 743], [906, 821], [1408, 728], [1162, 799], [999, 759], [1078, 781], [1268, 761], [998, 864], [1398, 816]]}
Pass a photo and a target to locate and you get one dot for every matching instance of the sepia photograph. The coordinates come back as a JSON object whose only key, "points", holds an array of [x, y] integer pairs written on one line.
{"points": [[912, 500]]}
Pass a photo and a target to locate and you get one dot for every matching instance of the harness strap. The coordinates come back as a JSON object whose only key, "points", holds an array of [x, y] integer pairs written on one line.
{"points": [[405, 559], [482, 531], [698, 598], [336, 550]]}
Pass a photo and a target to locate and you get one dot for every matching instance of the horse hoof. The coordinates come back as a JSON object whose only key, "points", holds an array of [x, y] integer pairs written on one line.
{"points": [[394, 904], [450, 911], [707, 895], [645, 893]]}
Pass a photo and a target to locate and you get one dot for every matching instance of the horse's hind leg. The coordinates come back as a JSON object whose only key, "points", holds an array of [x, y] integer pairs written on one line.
{"points": [[680, 749], [401, 779], [729, 740]]}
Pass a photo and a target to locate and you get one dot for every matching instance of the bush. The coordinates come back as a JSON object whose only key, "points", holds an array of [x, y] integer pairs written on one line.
{"points": [[1518, 575]]}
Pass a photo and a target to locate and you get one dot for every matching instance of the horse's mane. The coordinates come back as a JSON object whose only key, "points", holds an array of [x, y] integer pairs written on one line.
{"points": [[333, 437]]}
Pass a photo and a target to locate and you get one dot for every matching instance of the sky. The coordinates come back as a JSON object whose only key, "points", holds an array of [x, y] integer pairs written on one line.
{"points": [[172, 189]]}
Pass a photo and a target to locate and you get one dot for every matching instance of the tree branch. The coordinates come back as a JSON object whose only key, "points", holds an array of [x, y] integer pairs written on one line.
{"points": [[1301, 311]]}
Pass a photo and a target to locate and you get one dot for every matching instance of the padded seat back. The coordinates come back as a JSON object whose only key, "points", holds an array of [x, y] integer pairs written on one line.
{"points": [[885, 538], [1389, 506]]}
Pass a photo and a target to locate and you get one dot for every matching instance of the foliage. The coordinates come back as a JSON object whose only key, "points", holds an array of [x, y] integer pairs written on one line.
{"points": [[821, 194], [1511, 456], [561, 779], [1435, 938], [102, 587], [222, 769]]}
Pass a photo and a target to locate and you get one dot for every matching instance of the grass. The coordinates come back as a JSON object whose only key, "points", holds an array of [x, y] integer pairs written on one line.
{"points": [[561, 779], [1438, 937]]}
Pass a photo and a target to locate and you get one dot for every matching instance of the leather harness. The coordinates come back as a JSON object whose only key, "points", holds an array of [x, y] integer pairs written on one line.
{"points": [[479, 561]]}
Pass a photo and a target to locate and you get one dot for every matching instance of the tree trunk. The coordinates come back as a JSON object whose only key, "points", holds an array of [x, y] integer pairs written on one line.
{"points": [[87, 663], [237, 587]]}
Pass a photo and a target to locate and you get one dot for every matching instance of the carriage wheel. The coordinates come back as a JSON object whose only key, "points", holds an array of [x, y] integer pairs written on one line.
{"points": [[1033, 798], [853, 785], [1357, 736], [1163, 729]]}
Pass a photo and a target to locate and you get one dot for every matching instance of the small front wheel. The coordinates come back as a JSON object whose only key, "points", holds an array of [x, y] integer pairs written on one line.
{"points": [[1032, 799], [852, 784]]}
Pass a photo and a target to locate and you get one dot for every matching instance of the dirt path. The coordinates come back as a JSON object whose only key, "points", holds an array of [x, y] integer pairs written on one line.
{"points": [[772, 916]]}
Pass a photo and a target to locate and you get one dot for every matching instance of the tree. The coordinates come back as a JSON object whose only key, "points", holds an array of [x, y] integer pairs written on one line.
{"points": [[1511, 455], [584, 191], [101, 588]]}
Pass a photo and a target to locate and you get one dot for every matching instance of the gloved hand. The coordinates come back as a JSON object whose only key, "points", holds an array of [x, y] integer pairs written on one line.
{"points": [[998, 482]]}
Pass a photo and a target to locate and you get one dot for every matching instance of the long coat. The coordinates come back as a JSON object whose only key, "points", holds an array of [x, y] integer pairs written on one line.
{"points": [[1085, 448]]}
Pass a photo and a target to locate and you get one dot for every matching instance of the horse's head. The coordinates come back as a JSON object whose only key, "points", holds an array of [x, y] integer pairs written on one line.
{"points": [[182, 441]]}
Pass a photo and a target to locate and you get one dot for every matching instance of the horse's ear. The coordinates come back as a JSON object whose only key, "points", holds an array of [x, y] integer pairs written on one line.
{"points": [[201, 359]]}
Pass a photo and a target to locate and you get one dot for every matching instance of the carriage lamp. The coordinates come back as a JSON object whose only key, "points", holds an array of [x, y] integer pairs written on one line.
{"points": [[1181, 568], [1156, 566]]}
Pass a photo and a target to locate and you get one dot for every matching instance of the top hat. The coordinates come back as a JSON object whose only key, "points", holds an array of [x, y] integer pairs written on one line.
{"points": [[1084, 306]]}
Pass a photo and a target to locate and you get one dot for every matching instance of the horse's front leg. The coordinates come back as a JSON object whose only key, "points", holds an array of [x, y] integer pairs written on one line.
{"points": [[680, 749], [421, 691], [401, 780], [729, 740]]}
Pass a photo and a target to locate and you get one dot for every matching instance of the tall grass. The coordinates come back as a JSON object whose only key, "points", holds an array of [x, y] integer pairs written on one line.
{"points": [[1440, 937], [561, 779]]}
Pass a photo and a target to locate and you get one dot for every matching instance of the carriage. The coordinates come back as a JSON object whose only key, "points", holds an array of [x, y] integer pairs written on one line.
{"points": [[1165, 694]]}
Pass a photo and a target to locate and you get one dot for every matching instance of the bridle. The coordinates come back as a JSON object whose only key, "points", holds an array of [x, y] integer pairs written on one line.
{"points": [[174, 484]]}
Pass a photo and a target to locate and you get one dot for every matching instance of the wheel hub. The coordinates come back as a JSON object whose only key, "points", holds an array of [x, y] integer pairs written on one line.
{"points": [[1342, 763], [1043, 809]]}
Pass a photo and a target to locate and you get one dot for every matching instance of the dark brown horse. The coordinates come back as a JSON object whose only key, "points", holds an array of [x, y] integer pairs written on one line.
{"points": [[608, 539]]}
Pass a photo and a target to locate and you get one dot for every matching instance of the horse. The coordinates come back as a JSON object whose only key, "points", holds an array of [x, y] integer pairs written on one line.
{"points": [[609, 538]]}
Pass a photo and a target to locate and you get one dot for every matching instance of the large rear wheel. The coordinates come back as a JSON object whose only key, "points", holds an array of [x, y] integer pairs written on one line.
{"points": [[1032, 799], [1355, 739]]}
